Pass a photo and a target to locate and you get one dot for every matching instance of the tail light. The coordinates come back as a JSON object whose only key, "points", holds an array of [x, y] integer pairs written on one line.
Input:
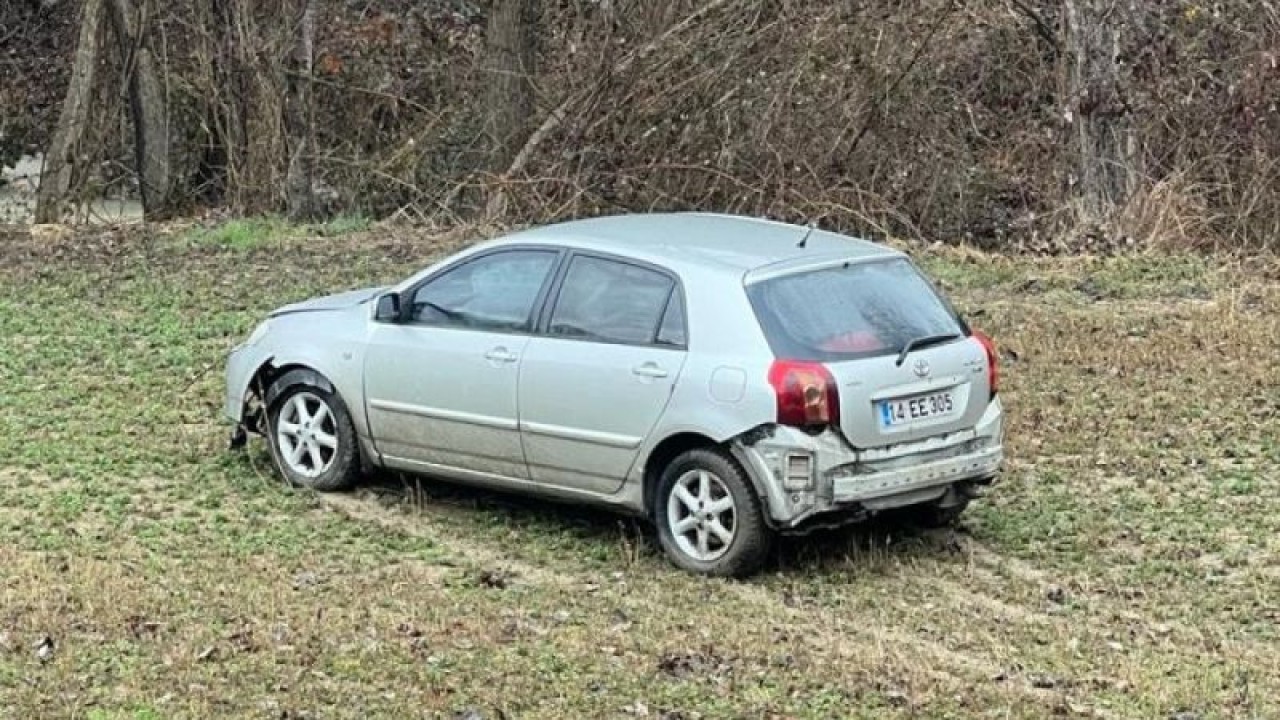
{"points": [[993, 361], [807, 394]]}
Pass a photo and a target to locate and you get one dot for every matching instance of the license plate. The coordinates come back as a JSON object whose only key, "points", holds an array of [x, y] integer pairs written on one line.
{"points": [[904, 411]]}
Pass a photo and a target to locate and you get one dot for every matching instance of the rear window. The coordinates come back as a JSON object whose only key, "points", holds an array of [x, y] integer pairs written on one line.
{"points": [[850, 311]]}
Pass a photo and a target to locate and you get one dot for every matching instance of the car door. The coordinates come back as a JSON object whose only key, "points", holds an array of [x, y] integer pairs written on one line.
{"points": [[441, 384], [597, 378]]}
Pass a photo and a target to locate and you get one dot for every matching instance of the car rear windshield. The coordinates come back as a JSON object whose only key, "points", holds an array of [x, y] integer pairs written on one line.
{"points": [[850, 311]]}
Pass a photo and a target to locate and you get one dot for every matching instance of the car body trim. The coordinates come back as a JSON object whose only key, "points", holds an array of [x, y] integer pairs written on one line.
{"points": [[438, 414], [591, 436], [487, 478]]}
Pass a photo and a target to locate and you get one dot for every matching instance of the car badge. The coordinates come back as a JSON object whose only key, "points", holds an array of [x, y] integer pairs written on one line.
{"points": [[921, 368]]}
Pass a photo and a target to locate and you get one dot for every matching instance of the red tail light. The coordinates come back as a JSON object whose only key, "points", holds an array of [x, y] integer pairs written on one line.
{"points": [[807, 394], [993, 361]]}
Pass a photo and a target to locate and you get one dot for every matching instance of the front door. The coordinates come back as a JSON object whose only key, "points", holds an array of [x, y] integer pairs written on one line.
{"points": [[441, 387], [595, 383]]}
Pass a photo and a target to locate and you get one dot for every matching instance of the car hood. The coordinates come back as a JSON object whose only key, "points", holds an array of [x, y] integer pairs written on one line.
{"points": [[340, 301]]}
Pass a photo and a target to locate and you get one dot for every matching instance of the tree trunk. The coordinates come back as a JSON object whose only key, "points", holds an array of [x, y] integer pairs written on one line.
{"points": [[1096, 107], [147, 108], [219, 174], [511, 56], [64, 147], [300, 118]]}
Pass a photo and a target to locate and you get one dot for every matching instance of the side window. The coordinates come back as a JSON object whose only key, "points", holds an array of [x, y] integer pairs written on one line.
{"points": [[610, 301], [494, 292], [672, 331]]}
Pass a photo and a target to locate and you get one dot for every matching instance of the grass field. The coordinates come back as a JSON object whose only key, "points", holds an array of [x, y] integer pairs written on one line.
{"points": [[1128, 564]]}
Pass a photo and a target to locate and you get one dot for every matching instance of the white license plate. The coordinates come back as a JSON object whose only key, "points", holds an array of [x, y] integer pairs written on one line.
{"points": [[907, 410]]}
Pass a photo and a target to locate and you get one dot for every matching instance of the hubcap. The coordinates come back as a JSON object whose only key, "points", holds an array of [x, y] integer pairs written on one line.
{"points": [[701, 515], [306, 435]]}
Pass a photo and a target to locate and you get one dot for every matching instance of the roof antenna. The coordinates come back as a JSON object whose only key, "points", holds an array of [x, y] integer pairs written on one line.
{"points": [[805, 240]]}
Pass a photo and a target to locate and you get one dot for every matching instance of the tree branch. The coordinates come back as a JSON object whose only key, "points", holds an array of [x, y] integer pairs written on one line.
{"points": [[874, 113], [1045, 32], [497, 201]]}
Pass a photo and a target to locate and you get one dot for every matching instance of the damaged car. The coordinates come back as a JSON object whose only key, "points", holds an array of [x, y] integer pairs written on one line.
{"points": [[729, 378]]}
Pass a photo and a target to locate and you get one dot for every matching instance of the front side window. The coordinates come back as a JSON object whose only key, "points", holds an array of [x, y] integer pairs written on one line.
{"points": [[496, 292], [609, 301], [850, 311]]}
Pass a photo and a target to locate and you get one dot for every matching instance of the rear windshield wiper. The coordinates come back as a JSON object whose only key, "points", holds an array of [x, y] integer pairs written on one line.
{"points": [[922, 342]]}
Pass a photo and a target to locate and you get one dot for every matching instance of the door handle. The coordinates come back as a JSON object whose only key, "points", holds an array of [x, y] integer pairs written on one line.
{"points": [[501, 355], [649, 370]]}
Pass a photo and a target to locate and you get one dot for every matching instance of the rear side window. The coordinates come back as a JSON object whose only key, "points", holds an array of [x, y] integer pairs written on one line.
{"points": [[609, 301], [850, 311], [672, 332]]}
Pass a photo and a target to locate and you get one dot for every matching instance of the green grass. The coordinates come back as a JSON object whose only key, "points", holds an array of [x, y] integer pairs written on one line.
{"points": [[268, 231], [1127, 565], [342, 225]]}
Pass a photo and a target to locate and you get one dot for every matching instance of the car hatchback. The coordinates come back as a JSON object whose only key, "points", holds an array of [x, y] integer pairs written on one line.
{"points": [[729, 378]]}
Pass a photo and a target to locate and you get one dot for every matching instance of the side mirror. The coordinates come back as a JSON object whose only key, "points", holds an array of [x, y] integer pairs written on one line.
{"points": [[388, 309]]}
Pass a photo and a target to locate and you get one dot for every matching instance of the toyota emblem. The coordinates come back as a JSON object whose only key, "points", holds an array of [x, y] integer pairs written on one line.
{"points": [[921, 368]]}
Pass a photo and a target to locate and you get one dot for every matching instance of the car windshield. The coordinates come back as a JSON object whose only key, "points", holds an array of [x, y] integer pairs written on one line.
{"points": [[850, 311]]}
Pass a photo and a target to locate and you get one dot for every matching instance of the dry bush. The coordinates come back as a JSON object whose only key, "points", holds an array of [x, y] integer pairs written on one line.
{"points": [[940, 119], [29, 110]]}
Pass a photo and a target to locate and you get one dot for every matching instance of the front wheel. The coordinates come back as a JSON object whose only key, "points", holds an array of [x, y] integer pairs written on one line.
{"points": [[312, 439], [709, 518]]}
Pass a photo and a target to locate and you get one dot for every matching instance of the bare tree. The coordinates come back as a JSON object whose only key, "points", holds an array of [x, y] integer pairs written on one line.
{"points": [[300, 117], [511, 38], [64, 147], [148, 107], [1096, 106]]}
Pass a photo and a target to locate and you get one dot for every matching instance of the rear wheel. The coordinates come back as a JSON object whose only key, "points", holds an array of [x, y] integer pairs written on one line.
{"points": [[312, 439], [709, 518]]}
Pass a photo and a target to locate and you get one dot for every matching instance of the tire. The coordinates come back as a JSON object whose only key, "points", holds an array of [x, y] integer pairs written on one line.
{"points": [[332, 439], [710, 520]]}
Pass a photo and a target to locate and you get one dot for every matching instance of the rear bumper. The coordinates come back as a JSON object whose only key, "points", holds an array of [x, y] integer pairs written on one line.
{"points": [[869, 487], [844, 478]]}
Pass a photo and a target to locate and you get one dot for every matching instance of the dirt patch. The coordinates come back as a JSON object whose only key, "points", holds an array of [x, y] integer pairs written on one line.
{"points": [[494, 567]]}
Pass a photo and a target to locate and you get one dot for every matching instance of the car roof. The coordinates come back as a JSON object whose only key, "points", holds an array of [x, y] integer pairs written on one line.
{"points": [[706, 241]]}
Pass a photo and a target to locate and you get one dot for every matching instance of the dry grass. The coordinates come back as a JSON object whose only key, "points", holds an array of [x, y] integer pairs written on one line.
{"points": [[1127, 566]]}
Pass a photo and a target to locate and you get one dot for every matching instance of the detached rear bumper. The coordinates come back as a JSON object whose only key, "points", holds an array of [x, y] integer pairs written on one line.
{"points": [[801, 475]]}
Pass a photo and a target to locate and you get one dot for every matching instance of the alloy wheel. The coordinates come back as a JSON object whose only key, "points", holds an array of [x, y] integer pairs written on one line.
{"points": [[307, 435], [701, 515]]}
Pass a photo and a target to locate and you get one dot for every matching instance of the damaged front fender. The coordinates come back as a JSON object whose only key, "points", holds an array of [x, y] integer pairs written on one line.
{"points": [[243, 365]]}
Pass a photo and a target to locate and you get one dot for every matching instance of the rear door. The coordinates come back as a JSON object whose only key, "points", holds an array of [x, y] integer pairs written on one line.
{"points": [[594, 383], [856, 318]]}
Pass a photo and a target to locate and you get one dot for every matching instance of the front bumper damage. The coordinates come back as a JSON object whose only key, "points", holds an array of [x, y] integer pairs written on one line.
{"points": [[241, 401], [818, 478]]}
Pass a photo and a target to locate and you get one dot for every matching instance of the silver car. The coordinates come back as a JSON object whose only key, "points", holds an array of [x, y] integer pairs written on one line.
{"points": [[729, 378]]}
